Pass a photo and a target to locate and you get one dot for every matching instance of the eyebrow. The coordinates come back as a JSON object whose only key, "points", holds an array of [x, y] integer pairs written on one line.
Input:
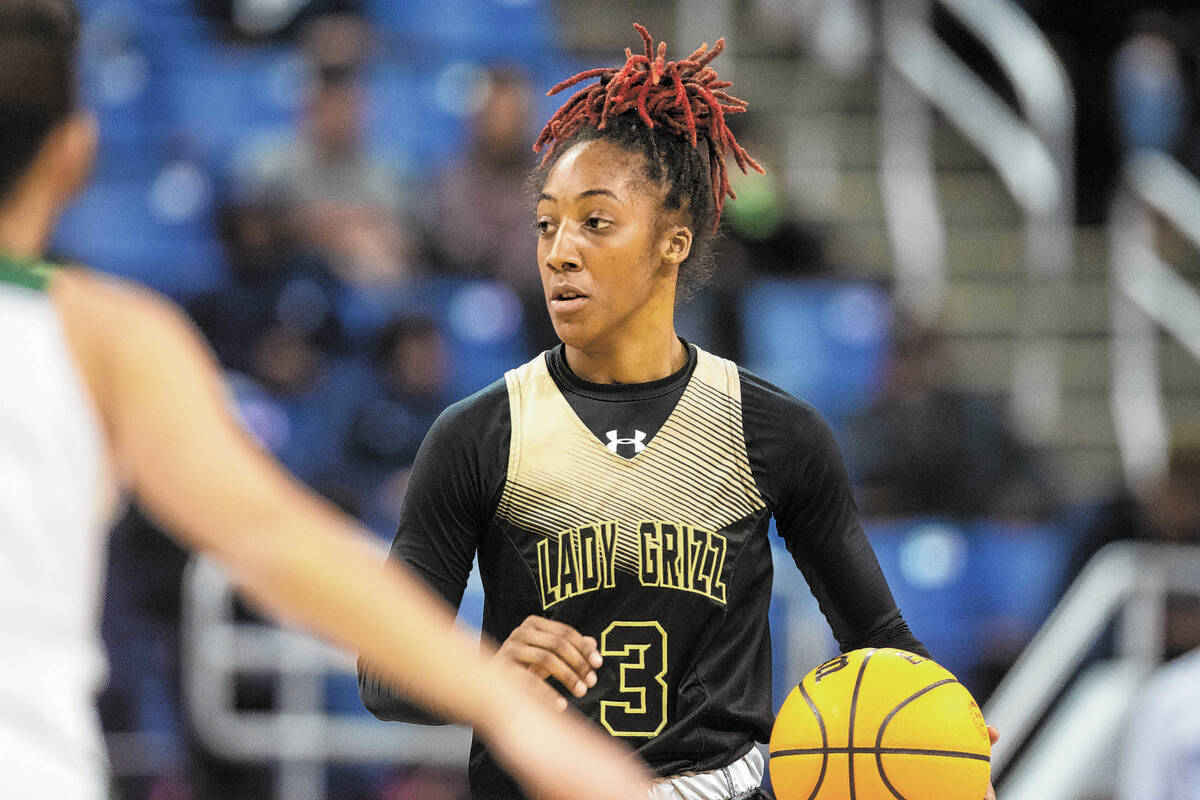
{"points": [[583, 194]]}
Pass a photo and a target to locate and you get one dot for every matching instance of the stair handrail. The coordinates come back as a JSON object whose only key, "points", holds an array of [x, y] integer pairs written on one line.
{"points": [[1032, 150], [300, 737], [1124, 581], [1147, 295]]}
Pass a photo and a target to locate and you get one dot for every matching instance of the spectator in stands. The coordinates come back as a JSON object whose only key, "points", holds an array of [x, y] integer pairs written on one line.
{"points": [[764, 228], [293, 400], [923, 448], [478, 223], [1166, 511], [272, 282], [1148, 86], [1161, 758], [257, 21], [342, 200], [409, 391]]}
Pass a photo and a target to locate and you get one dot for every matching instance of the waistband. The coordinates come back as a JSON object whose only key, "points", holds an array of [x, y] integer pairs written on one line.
{"points": [[738, 780]]}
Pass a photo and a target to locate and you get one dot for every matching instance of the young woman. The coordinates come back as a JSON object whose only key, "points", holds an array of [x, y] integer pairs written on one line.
{"points": [[618, 488], [105, 388]]}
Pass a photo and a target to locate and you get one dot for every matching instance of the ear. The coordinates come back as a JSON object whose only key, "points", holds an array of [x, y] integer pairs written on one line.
{"points": [[75, 143], [676, 245]]}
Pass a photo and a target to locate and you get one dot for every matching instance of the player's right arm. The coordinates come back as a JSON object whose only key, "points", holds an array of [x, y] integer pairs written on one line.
{"points": [[176, 445]]}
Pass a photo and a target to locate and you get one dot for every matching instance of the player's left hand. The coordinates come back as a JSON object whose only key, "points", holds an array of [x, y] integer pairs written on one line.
{"points": [[994, 735]]}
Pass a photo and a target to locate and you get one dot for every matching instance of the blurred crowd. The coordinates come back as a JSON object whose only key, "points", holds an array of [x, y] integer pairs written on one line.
{"points": [[331, 321]]}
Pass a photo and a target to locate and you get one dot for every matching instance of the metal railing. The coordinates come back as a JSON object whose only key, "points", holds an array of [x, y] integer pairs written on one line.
{"points": [[1125, 582], [301, 738], [299, 735], [1032, 150], [1148, 295]]}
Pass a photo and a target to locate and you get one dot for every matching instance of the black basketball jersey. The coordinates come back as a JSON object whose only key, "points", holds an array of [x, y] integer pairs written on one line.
{"points": [[638, 515]]}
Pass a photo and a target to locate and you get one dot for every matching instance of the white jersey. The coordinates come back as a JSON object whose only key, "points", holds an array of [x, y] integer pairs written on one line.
{"points": [[55, 486], [1162, 750]]}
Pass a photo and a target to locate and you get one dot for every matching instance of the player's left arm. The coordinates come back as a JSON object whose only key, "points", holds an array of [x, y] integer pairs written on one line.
{"points": [[801, 475], [804, 479]]}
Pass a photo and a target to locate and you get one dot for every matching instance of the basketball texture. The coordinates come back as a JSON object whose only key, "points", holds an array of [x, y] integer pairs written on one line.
{"points": [[880, 725]]}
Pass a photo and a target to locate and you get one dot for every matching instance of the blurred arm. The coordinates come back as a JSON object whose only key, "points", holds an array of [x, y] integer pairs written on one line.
{"points": [[158, 392], [192, 467]]}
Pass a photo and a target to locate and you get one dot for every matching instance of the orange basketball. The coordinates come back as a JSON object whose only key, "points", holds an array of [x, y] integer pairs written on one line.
{"points": [[880, 725]]}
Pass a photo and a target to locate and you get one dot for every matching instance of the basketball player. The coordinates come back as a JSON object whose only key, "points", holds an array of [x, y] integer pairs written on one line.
{"points": [[1160, 759], [618, 488], [103, 388]]}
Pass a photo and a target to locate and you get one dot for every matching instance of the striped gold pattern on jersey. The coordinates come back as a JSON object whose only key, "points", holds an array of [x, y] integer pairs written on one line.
{"points": [[693, 472]]}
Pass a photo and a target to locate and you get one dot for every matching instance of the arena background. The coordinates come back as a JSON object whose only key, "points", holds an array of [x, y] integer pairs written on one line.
{"points": [[974, 252]]}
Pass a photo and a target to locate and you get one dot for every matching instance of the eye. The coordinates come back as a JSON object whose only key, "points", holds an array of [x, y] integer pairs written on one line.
{"points": [[597, 223], [544, 226]]}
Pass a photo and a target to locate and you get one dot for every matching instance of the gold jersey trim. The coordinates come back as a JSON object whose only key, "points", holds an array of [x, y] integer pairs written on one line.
{"points": [[694, 472]]}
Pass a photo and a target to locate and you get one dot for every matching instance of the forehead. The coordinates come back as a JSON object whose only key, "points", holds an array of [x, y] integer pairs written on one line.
{"points": [[596, 164]]}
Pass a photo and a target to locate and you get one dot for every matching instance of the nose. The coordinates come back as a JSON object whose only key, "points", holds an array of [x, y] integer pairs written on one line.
{"points": [[563, 256]]}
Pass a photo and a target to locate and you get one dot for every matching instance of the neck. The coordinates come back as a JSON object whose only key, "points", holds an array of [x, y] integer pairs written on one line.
{"points": [[641, 359], [26, 222]]}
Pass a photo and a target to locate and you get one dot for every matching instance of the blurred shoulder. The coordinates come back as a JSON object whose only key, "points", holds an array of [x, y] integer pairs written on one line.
{"points": [[122, 335], [107, 308]]}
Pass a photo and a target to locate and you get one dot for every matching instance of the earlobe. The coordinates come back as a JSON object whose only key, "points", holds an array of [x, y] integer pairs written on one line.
{"points": [[678, 246], [81, 140]]}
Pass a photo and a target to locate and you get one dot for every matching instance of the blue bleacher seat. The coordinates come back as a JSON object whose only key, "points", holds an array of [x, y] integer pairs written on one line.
{"points": [[963, 586], [478, 28], [404, 115], [223, 96], [822, 340], [157, 232], [1020, 570], [927, 564]]}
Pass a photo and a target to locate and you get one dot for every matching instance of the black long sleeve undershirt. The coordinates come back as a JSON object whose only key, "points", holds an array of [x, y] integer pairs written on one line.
{"points": [[461, 467], [800, 471]]}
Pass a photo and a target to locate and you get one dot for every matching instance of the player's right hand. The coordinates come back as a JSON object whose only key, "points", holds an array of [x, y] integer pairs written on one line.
{"points": [[561, 756], [552, 649]]}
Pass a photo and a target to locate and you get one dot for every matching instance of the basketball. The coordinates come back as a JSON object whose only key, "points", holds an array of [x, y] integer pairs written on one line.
{"points": [[880, 724]]}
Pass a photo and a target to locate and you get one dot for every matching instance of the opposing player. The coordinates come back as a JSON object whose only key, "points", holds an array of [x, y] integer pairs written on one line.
{"points": [[104, 388], [618, 488]]}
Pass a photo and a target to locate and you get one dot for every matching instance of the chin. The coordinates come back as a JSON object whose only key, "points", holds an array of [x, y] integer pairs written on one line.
{"points": [[573, 334]]}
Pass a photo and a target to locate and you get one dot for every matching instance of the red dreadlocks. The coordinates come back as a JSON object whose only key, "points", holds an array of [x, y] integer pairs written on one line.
{"points": [[690, 101]]}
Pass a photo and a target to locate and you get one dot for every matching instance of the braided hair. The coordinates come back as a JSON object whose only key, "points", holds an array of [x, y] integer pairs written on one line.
{"points": [[673, 113]]}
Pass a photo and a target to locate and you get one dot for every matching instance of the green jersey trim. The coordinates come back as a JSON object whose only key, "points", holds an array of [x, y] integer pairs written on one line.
{"points": [[24, 272]]}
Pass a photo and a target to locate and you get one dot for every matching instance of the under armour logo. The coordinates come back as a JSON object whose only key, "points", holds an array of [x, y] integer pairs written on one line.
{"points": [[638, 441]]}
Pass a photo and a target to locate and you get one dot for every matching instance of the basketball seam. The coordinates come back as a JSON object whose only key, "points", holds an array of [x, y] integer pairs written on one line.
{"points": [[862, 668], [824, 740], [887, 751], [879, 749]]}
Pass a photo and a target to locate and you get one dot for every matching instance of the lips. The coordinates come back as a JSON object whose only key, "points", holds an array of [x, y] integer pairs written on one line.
{"points": [[567, 298]]}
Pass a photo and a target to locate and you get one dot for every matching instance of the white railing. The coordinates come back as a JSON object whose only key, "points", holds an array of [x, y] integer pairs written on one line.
{"points": [[298, 734], [1126, 583], [1031, 149], [301, 738], [1148, 295]]}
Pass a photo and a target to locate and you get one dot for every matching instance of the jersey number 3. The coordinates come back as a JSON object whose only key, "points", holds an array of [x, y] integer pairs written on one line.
{"points": [[641, 648]]}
